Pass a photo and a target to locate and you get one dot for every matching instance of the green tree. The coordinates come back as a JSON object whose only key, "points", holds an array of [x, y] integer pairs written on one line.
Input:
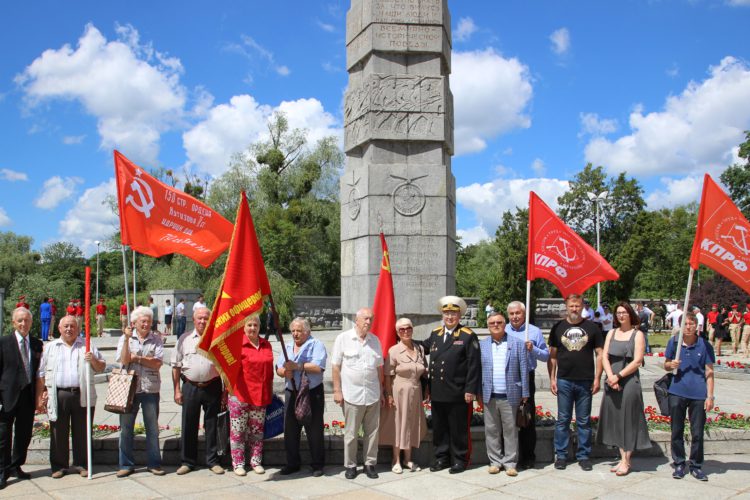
{"points": [[16, 257], [737, 177]]}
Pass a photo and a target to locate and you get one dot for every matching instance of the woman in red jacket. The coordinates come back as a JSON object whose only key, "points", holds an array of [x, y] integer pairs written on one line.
{"points": [[247, 405]]}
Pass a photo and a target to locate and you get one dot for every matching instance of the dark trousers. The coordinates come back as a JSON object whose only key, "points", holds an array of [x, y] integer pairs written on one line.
{"points": [[450, 432], [21, 421], [313, 430], [527, 435], [195, 399], [71, 419], [678, 407], [181, 324]]}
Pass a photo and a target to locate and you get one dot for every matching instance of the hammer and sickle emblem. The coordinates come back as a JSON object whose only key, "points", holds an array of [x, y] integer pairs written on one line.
{"points": [[144, 194], [562, 247], [738, 238]]}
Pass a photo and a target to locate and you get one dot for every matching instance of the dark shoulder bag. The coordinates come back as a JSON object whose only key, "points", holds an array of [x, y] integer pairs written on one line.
{"points": [[302, 405]]}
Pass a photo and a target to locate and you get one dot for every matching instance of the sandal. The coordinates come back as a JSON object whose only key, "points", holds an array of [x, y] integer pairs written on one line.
{"points": [[397, 468], [616, 467], [623, 472], [413, 467]]}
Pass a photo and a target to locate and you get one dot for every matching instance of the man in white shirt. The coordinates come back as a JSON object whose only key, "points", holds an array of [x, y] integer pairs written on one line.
{"points": [[673, 319], [700, 318], [61, 393], [587, 312], [200, 303], [607, 319], [357, 362], [181, 317]]}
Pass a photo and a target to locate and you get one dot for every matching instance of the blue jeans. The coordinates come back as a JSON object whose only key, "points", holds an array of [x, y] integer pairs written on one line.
{"points": [[181, 324], [150, 405], [570, 392]]}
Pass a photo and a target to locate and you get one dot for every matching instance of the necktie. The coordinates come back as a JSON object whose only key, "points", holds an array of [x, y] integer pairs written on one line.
{"points": [[25, 357]]}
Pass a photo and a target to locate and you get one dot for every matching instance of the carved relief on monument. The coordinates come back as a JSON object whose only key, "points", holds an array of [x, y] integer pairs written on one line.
{"points": [[353, 200], [408, 198], [395, 93]]}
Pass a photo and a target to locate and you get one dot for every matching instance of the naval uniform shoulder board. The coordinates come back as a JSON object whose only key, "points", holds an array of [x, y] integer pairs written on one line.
{"points": [[438, 330], [466, 329]]}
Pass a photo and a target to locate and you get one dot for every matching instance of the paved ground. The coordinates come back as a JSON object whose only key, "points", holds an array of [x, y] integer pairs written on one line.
{"points": [[651, 478]]}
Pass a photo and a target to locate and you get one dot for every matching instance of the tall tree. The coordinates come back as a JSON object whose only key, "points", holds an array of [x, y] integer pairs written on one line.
{"points": [[737, 177]]}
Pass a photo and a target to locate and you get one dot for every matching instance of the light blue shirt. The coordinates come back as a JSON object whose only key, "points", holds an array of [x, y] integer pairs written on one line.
{"points": [[539, 351], [499, 360], [312, 351]]}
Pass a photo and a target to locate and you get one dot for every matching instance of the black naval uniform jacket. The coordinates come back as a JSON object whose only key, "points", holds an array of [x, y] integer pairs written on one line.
{"points": [[455, 365]]}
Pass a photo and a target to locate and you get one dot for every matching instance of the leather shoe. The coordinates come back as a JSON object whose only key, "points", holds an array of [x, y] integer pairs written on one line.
{"points": [[351, 472], [438, 466], [370, 471], [317, 472], [3, 482], [58, 474], [20, 474], [288, 469], [457, 469]]}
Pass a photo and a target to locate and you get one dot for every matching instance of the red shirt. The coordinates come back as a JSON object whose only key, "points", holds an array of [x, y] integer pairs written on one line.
{"points": [[712, 316], [79, 311], [255, 384], [746, 317], [124, 309], [54, 309], [734, 317], [101, 309], [71, 310]]}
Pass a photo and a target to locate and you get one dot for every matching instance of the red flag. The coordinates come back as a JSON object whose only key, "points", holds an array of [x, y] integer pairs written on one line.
{"points": [[722, 238], [556, 253], [384, 307], [241, 294], [156, 219]]}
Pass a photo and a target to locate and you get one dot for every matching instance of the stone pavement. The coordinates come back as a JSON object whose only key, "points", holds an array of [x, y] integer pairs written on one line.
{"points": [[650, 478]]}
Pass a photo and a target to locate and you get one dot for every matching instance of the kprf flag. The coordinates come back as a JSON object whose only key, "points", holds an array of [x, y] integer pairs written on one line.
{"points": [[384, 308], [556, 253], [243, 288], [156, 219], [722, 238]]}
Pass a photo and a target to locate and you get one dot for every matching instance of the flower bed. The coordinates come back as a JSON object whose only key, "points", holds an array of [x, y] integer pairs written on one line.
{"points": [[41, 429]]}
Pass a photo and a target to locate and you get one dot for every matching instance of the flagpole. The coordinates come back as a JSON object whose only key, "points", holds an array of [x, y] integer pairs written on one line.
{"points": [[280, 337], [528, 307], [684, 312], [125, 275], [87, 302], [135, 293]]}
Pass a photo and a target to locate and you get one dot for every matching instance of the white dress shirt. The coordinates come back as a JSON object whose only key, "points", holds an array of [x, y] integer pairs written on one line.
{"points": [[359, 361]]}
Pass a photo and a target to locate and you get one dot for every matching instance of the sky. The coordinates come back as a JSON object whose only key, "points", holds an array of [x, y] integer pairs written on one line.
{"points": [[659, 89]]}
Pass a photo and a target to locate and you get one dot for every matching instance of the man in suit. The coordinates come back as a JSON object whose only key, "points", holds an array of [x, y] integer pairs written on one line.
{"points": [[19, 363], [455, 374], [505, 384]]}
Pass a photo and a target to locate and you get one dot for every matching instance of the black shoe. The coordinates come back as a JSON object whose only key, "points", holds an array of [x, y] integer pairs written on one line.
{"points": [[351, 472], [288, 469], [698, 474], [560, 464], [3, 482], [19, 473], [317, 472], [370, 471], [585, 464], [457, 469], [679, 471], [438, 466]]}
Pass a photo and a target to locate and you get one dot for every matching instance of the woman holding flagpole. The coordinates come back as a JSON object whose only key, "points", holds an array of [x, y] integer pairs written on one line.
{"points": [[252, 393]]}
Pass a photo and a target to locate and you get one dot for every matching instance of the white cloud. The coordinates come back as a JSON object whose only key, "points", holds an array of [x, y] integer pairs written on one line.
{"points": [[252, 50], [472, 236], [465, 29], [283, 70], [7, 174], [330, 28], [90, 219], [73, 139], [132, 90], [560, 41], [491, 105], [4, 219], [56, 190], [676, 192], [231, 128], [538, 167], [673, 71], [695, 132], [739, 3], [591, 124], [488, 201]]}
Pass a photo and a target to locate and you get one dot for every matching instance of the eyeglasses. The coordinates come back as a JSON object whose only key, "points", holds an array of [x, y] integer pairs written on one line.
{"points": [[406, 329], [496, 323], [622, 313]]}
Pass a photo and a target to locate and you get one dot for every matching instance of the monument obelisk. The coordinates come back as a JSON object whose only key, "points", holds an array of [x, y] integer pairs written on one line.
{"points": [[398, 140]]}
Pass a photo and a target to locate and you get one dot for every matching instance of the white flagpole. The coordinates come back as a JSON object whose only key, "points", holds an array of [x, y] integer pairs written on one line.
{"points": [[88, 421], [528, 306], [135, 300], [684, 311], [125, 275]]}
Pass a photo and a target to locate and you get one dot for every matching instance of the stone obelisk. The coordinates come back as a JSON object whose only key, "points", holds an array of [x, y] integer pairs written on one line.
{"points": [[398, 141]]}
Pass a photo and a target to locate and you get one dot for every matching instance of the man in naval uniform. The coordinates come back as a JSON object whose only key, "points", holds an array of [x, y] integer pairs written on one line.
{"points": [[455, 375]]}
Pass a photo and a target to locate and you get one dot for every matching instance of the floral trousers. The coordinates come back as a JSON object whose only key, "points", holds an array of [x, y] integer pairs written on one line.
{"points": [[246, 431]]}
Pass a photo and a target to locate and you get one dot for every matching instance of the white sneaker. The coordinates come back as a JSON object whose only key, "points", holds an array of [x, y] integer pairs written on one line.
{"points": [[258, 469], [240, 471]]}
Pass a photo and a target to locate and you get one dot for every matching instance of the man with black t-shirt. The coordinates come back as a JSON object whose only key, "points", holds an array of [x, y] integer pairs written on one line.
{"points": [[574, 378]]}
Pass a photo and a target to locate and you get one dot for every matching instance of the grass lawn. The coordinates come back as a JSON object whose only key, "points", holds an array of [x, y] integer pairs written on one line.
{"points": [[658, 340]]}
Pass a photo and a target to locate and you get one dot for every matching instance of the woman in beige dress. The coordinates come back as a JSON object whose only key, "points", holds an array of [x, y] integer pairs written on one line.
{"points": [[402, 422]]}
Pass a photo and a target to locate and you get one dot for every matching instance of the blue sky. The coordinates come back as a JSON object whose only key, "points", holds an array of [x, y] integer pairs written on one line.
{"points": [[659, 89]]}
